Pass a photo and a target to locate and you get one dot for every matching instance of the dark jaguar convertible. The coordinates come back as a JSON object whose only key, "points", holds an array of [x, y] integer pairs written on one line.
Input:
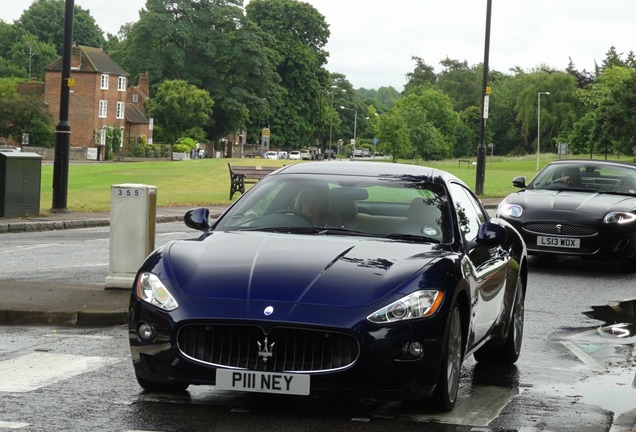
{"points": [[363, 277], [582, 208]]}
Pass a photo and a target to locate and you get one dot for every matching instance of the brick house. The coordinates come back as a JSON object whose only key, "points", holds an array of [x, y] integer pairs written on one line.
{"points": [[101, 98]]}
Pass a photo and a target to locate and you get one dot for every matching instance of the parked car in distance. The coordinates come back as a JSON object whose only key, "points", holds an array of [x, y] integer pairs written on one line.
{"points": [[305, 155], [583, 208], [271, 155], [282, 155], [253, 155], [294, 155], [375, 279]]}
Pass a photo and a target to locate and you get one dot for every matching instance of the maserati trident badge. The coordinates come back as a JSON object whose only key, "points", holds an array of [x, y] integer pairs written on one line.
{"points": [[265, 350]]}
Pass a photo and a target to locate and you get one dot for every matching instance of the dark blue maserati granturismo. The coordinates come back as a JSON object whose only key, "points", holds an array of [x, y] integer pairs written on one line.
{"points": [[365, 277]]}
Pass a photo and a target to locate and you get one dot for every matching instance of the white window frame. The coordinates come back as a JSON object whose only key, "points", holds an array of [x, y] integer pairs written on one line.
{"points": [[121, 109], [135, 97], [121, 83], [103, 108], [104, 82]]}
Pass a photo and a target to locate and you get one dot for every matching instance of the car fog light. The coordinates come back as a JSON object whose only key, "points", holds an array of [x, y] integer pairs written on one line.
{"points": [[416, 349], [146, 332]]}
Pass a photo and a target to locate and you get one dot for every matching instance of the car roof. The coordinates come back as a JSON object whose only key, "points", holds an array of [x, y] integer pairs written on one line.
{"points": [[371, 169], [592, 162]]}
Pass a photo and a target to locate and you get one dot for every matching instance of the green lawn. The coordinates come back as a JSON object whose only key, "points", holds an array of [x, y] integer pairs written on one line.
{"points": [[207, 181]]}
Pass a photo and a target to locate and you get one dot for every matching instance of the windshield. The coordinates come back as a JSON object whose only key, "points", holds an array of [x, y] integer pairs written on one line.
{"points": [[317, 204], [587, 176]]}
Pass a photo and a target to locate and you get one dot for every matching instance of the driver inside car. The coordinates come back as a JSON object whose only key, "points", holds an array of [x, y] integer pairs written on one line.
{"points": [[571, 177], [313, 203]]}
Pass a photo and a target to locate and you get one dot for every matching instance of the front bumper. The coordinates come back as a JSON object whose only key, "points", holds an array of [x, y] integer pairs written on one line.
{"points": [[382, 364]]}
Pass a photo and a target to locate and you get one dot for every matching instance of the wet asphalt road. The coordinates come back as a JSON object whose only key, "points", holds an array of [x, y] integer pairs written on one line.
{"points": [[568, 378]]}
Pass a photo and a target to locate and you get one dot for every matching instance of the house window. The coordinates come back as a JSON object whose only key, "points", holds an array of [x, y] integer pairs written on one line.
{"points": [[120, 110], [121, 83], [103, 106], [135, 98], [104, 85], [151, 123]]}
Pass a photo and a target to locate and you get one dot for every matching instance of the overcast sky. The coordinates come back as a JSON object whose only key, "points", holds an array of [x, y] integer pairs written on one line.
{"points": [[372, 42]]}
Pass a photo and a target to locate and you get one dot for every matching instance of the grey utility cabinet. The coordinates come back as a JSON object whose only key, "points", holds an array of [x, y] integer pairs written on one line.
{"points": [[20, 180]]}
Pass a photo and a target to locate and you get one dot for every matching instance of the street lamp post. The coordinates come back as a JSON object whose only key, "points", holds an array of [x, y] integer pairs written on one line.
{"points": [[355, 126], [539, 124]]}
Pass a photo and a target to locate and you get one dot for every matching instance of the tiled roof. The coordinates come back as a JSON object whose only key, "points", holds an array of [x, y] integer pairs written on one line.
{"points": [[134, 115], [90, 59]]}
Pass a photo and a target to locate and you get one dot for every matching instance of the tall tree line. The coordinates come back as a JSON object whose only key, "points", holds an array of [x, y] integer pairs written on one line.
{"points": [[264, 65]]}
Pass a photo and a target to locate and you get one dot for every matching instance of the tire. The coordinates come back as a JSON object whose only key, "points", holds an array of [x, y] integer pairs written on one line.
{"points": [[445, 394], [161, 387], [508, 352]]}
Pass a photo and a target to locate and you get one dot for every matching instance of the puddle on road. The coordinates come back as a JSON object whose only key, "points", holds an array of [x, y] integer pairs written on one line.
{"points": [[619, 317], [613, 386], [613, 392]]}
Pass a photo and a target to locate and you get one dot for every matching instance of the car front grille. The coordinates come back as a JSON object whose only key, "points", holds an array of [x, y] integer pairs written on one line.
{"points": [[551, 228], [281, 349]]}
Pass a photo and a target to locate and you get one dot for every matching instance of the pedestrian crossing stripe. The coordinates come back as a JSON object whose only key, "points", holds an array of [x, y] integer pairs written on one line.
{"points": [[39, 369]]}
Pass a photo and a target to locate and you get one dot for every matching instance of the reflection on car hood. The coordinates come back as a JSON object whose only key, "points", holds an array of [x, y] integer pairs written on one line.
{"points": [[575, 201], [336, 271]]}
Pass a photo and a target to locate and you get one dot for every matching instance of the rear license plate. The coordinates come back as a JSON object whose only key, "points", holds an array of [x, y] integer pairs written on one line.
{"points": [[262, 382], [561, 242]]}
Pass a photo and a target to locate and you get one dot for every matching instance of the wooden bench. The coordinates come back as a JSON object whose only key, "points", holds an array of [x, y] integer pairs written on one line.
{"points": [[239, 175]]}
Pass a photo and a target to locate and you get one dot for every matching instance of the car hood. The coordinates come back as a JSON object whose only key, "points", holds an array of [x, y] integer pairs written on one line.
{"points": [[593, 203], [321, 270]]}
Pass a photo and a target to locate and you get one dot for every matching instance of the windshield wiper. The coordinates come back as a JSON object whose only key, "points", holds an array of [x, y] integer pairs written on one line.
{"points": [[412, 237], [309, 230]]}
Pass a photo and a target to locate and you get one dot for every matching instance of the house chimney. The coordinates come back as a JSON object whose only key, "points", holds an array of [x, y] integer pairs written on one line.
{"points": [[76, 57], [144, 83]]}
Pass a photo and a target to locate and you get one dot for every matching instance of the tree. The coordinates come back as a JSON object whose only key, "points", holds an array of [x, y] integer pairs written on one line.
{"points": [[615, 118], [19, 115], [461, 83], [45, 19], [179, 106], [393, 136], [431, 122], [423, 74], [22, 53], [300, 34], [212, 45]]}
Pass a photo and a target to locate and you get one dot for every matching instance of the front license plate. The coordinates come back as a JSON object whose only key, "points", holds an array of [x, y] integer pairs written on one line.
{"points": [[561, 242], [262, 382]]}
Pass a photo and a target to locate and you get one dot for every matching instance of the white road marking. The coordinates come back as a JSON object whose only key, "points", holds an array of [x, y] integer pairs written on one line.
{"points": [[582, 355], [480, 408], [32, 371], [74, 336], [12, 425]]}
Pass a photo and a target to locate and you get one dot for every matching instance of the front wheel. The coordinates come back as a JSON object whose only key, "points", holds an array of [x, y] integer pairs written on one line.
{"points": [[445, 394]]}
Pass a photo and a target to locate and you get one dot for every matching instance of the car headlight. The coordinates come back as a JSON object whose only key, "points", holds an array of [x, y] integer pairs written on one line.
{"points": [[151, 290], [510, 210], [619, 218], [420, 304]]}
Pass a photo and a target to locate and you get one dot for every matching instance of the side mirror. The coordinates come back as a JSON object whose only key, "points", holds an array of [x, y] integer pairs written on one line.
{"points": [[491, 234], [519, 182], [197, 218]]}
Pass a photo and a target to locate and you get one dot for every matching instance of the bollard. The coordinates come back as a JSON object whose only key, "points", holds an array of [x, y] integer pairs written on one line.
{"points": [[133, 213]]}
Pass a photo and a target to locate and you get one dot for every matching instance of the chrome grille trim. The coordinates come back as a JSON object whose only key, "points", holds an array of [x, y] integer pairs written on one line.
{"points": [[295, 349], [550, 228]]}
